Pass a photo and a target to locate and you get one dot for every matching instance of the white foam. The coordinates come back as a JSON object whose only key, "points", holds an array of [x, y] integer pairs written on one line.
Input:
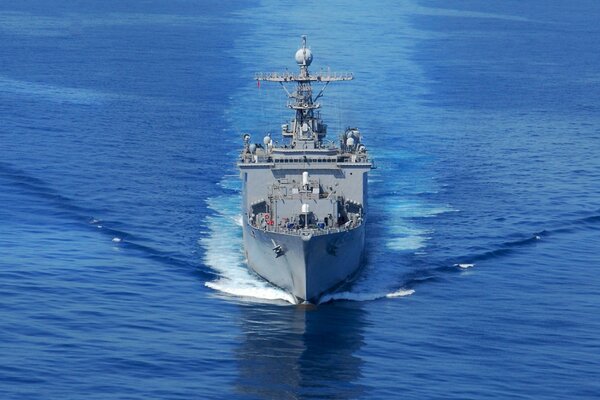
{"points": [[224, 254], [239, 220], [464, 266], [364, 296], [400, 293], [230, 183], [402, 233], [250, 291], [117, 240], [403, 237], [407, 243]]}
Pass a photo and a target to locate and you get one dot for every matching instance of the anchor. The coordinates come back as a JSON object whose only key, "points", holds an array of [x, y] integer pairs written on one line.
{"points": [[277, 249]]}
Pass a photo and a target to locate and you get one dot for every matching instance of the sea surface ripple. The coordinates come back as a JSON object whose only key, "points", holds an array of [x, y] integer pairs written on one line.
{"points": [[122, 274]]}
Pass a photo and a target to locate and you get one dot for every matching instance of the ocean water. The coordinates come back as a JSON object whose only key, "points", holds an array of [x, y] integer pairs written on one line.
{"points": [[121, 269]]}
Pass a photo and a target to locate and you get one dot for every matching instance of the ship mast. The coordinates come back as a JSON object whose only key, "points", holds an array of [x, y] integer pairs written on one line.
{"points": [[307, 126]]}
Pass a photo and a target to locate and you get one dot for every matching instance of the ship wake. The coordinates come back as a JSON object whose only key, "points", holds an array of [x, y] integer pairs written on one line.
{"points": [[364, 296], [223, 253]]}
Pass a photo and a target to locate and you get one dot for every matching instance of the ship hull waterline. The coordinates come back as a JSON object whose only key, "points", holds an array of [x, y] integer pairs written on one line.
{"points": [[306, 266]]}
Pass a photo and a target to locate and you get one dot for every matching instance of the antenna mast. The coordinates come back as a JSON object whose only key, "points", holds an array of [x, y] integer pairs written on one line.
{"points": [[307, 125]]}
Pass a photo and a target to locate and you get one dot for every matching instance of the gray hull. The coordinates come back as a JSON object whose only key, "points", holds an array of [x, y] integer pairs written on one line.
{"points": [[308, 266]]}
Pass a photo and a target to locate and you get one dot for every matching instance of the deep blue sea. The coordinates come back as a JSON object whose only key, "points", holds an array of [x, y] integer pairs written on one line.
{"points": [[121, 267]]}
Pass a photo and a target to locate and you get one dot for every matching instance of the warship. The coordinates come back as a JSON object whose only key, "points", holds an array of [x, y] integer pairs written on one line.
{"points": [[305, 198]]}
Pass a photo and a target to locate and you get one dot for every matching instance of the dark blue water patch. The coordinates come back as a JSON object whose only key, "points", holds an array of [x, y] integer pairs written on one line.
{"points": [[520, 356], [96, 100], [80, 108], [106, 39], [80, 217], [523, 47], [42, 8]]}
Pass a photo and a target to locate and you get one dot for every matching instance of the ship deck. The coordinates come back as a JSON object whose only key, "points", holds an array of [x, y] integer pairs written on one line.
{"points": [[306, 231]]}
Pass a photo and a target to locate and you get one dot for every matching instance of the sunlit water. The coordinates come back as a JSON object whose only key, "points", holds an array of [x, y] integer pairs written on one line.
{"points": [[122, 272]]}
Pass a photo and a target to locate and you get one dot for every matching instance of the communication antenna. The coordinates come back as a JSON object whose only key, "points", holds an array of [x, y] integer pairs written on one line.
{"points": [[307, 125]]}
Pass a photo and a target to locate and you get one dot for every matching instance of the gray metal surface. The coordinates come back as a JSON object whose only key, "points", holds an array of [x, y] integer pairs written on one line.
{"points": [[311, 265], [304, 199]]}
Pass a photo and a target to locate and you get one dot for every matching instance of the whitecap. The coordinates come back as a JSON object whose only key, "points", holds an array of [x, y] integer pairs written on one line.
{"points": [[464, 266], [400, 293], [364, 296]]}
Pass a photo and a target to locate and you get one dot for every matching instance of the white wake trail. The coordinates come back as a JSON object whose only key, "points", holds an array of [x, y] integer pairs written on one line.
{"points": [[358, 296], [224, 254]]}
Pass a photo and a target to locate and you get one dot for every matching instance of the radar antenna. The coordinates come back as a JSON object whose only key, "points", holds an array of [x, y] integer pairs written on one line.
{"points": [[307, 125]]}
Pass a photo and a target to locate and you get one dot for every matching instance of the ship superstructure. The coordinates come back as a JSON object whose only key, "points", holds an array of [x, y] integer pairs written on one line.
{"points": [[304, 199]]}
